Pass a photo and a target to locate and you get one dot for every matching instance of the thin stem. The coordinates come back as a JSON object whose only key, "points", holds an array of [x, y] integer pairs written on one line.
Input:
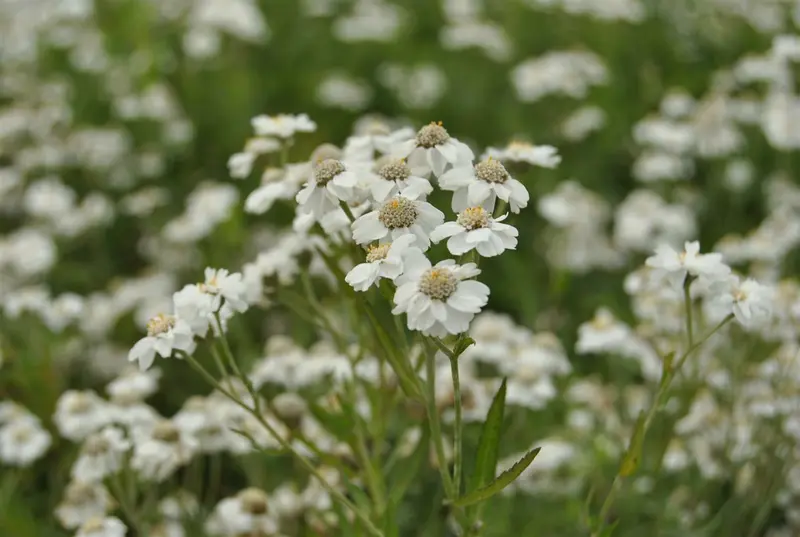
{"points": [[288, 447], [435, 425], [457, 442], [346, 208], [374, 481], [124, 502], [641, 431], [687, 301]]}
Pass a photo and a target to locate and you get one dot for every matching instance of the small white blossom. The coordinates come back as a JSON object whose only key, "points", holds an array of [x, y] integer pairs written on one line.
{"points": [[22, 442], [482, 184], [750, 302], [393, 177], [331, 181], [158, 454], [80, 413], [102, 454], [439, 300], [82, 502], [282, 125], [432, 150], [222, 284], [102, 527], [545, 156], [383, 261], [165, 334], [247, 513], [396, 217], [674, 266], [240, 165], [476, 229]]}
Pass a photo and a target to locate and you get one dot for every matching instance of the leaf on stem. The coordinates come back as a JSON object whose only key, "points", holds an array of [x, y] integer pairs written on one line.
{"points": [[633, 454], [405, 472], [502, 481], [486, 459]]}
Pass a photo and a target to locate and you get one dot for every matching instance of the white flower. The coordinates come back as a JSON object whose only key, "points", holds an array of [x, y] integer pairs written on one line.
{"points": [[396, 217], [438, 300], [432, 150], [476, 229], [222, 284], [393, 177], [158, 454], [545, 156], [482, 184], [165, 333], [196, 308], [383, 261], [750, 302], [102, 454], [247, 513], [240, 165], [134, 385], [283, 125], [331, 181], [675, 265], [80, 413], [22, 442], [272, 189], [82, 502], [102, 527]]}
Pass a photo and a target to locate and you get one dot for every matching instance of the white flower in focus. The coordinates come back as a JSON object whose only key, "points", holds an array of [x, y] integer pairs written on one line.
{"points": [[80, 413], [432, 150], [102, 454], [283, 125], [750, 302], [82, 502], [22, 442], [158, 454], [240, 165], [393, 177], [439, 300], [165, 333], [675, 265], [396, 217], [331, 181], [476, 229], [247, 513], [545, 156], [482, 184], [383, 261], [222, 284], [102, 527]]}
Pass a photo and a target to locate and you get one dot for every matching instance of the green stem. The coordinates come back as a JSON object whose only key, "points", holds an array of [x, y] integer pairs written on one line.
{"points": [[687, 300], [122, 498], [637, 437], [374, 481], [457, 447], [338, 496], [435, 425]]}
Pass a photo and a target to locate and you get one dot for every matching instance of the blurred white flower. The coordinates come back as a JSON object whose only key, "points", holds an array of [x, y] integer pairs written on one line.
{"points": [[247, 513], [158, 453], [22, 442], [102, 454], [545, 156], [82, 502], [102, 527], [282, 125]]}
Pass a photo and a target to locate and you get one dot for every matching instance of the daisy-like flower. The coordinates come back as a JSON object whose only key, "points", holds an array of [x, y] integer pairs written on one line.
{"points": [[396, 217], [674, 266], [393, 177], [545, 156], [247, 513], [476, 229], [80, 413], [102, 454], [276, 184], [222, 284], [158, 454], [282, 125], [383, 261], [82, 502], [165, 334], [331, 181], [196, 308], [439, 300], [102, 527], [750, 302], [482, 184], [22, 442], [431, 150]]}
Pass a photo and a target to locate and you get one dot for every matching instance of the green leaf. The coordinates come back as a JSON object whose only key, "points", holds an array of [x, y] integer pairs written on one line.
{"points": [[404, 473], [335, 423], [462, 345], [634, 452], [486, 459], [502, 481]]}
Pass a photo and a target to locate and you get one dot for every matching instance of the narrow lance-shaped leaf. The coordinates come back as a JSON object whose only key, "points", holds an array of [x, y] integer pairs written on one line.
{"points": [[502, 481], [634, 452], [486, 459]]}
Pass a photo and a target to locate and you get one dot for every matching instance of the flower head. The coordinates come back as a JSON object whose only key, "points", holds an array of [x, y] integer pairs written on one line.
{"points": [[482, 184], [673, 265], [476, 229], [396, 217], [383, 261], [431, 150], [165, 334]]}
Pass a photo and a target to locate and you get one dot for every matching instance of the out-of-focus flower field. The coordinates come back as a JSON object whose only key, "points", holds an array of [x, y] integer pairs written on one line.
{"points": [[146, 143]]}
